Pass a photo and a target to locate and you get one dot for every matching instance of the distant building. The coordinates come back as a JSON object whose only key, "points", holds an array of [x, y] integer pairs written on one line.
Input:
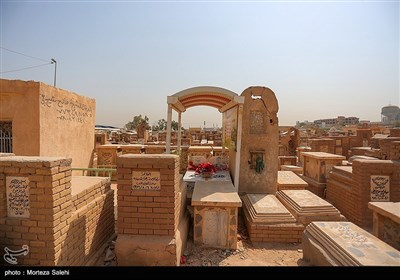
{"points": [[339, 121], [390, 114], [303, 123]]}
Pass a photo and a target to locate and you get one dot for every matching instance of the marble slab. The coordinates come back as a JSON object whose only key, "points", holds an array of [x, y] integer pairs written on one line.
{"points": [[290, 178], [190, 176], [307, 207], [322, 155], [266, 208], [349, 244], [305, 199], [216, 194]]}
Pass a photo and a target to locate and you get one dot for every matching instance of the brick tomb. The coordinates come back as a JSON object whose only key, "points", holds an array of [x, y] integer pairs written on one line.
{"points": [[61, 219], [386, 223], [345, 244], [215, 214], [316, 168], [152, 218], [350, 189]]}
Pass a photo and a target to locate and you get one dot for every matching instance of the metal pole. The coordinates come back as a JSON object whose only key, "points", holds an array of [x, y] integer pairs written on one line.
{"points": [[55, 70]]}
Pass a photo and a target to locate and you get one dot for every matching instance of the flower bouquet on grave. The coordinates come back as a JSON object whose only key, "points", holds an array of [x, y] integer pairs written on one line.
{"points": [[206, 170], [191, 166]]}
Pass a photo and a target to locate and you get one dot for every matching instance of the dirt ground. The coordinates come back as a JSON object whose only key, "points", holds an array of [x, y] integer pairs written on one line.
{"points": [[247, 253]]}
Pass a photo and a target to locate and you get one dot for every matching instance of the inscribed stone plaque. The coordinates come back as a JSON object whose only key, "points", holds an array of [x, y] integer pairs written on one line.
{"points": [[256, 122], [17, 197], [107, 158], [380, 188], [215, 228], [146, 180]]}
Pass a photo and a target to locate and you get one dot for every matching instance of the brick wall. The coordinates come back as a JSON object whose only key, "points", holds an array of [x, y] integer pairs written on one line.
{"points": [[58, 231], [323, 145], [287, 160], [341, 193], [387, 149], [90, 225], [350, 195], [394, 132], [342, 145], [394, 153], [149, 212], [154, 149], [183, 159], [362, 138], [285, 233]]}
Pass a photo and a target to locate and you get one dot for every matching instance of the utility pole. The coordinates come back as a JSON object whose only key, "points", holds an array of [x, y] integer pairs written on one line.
{"points": [[53, 61]]}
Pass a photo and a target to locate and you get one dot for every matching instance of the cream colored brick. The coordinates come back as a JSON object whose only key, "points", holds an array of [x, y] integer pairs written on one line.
{"points": [[58, 176], [36, 178], [11, 170], [27, 170]]}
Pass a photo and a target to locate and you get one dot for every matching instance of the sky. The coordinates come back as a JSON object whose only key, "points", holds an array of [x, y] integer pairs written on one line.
{"points": [[322, 59]]}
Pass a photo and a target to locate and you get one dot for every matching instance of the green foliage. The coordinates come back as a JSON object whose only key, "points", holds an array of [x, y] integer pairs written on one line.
{"points": [[174, 125], [137, 120], [162, 125]]}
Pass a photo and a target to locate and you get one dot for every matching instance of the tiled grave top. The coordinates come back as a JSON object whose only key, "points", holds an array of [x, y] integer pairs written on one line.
{"points": [[387, 209], [109, 146], [218, 148], [344, 170], [289, 178], [266, 204], [353, 245], [322, 155], [303, 148], [190, 176], [266, 209], [305, 198], [288, 166], [139, 146], [360, 157], [361, 148], [206, 148], [149, 156], [215, 193]]}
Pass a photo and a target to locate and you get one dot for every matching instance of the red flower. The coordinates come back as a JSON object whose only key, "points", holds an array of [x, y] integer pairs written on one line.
{"points": [[205, 167], [191, 166]]}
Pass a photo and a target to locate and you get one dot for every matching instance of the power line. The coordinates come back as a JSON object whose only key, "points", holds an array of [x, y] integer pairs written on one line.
{"points": [[20, 69], [45, 60]]}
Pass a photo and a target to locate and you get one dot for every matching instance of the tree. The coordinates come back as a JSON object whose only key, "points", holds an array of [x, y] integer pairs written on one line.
{"points": [[137, 120], [174, 125], [162, 125]]}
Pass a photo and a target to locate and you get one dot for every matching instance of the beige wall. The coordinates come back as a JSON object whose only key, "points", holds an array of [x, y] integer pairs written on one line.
{"points": [[49, 121], [67, 123], [18, 103], [259, 133]]}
